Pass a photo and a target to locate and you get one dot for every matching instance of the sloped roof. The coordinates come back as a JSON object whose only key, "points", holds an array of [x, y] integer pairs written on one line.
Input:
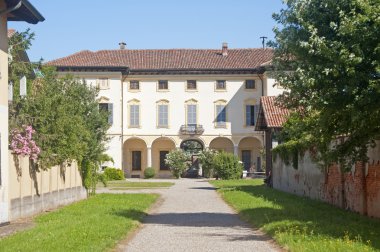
{"points": [[169, 59], [270, 114], [23, 10]]}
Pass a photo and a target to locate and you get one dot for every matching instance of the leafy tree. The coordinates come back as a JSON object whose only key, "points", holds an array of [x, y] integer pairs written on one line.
{"points": [[206, 158], [177, 160], [227, 166], [327, 54]]}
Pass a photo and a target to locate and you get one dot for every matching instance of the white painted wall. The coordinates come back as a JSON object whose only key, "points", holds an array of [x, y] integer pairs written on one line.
{"points": [[4, 209]]}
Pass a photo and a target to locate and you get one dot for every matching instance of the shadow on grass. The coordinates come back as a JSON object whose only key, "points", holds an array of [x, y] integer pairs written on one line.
{"points": [[278, 211]]}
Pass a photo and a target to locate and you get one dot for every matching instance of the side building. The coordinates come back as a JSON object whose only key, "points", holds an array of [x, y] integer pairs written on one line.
{"points": [[10, 10], [193, 99]]}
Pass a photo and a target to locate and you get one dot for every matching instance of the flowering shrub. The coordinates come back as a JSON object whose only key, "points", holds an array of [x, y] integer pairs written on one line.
{"points": [[22, 142]]}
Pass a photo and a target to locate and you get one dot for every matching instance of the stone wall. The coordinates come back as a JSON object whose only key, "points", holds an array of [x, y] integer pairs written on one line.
{"points": [[32, 191], [357, 190]]}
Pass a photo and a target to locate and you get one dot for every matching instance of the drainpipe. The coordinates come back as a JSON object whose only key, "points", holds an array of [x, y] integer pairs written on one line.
{"points": [[124, 75], [6, 11], [262, 84]]}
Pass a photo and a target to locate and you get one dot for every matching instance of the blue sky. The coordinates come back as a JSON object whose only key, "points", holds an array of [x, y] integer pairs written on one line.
{"points": [[75, 25]]}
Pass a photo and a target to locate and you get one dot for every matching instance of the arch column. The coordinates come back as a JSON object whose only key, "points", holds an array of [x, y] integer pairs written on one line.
{"points": [[149, 156], [236, 150]]}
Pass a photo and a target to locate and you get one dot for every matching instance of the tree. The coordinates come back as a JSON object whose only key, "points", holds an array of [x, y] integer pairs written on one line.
{"points": [[177, 160], [206, 157], [327, 55]]}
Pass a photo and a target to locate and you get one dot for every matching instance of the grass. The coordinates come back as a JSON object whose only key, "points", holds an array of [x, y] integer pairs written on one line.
{"points": [[95, 224], [126, 185], [298, 223]]}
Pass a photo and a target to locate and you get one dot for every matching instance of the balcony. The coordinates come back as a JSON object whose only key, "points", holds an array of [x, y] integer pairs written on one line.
{"points": [[192, 129]]}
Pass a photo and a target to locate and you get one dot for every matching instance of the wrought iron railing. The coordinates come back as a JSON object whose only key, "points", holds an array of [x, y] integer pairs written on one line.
{"points": [[192, 129]]}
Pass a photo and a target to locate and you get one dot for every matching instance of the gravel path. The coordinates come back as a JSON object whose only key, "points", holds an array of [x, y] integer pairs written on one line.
{"points": [[192, 217]]}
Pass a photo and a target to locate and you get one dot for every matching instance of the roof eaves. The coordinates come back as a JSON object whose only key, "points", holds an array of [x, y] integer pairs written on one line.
{"points": [[26, 12]]}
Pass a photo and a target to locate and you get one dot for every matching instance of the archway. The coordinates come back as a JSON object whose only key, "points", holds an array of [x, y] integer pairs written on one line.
{"points": [[135, 157], [160, 147], [249, 153], [222, 144], [193, 147]]}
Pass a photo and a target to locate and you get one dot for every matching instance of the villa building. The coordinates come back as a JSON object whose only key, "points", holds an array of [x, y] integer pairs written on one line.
{"points": [[160, 100]]}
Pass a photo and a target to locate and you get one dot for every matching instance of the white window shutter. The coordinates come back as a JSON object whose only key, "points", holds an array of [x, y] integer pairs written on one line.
{"points": [[23, 86], [256, 113], [110, 111], [10, 91]]}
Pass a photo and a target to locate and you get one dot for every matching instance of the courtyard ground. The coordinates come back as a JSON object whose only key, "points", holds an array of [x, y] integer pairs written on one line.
{"points": [[191, 216]]}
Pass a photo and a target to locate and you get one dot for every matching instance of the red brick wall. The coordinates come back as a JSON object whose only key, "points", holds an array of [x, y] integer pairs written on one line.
{"points": [[358, 190]]}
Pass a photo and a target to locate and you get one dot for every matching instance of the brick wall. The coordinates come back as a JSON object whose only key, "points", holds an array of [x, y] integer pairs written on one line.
{"points": [[357, 190]]}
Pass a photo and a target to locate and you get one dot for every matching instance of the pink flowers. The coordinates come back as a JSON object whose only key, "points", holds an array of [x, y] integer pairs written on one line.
{"points": [[22, 143]]}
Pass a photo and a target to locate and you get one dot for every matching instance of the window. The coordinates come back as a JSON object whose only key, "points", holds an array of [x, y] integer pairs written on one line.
{"points": [[163, 85], [163, 115], [108, 108], [134, 85], [250, 84], [220, 85], [221, 117], [191, 85], [251, 112], [103, 83], [191, 114], [134, 115], [136, 160], [163, 165], [249, 115]]}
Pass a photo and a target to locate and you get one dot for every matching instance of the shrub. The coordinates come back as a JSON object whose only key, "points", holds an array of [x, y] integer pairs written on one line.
{"points": [[206, 158], [113, 174], [102, 178], [177, 161], [149, 172], [227, 166]]}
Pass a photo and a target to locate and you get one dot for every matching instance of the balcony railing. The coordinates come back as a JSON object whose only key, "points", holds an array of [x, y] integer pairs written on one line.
{"points": [[192, 129]]}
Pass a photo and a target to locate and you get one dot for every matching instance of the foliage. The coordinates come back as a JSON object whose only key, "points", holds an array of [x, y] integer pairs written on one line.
{"points": [[96, 224], [18, 61], [149, 172], [327, 54], [227, 166], [298, 223], [177, 160], [113, 174], [206, 158], [22, 143]]}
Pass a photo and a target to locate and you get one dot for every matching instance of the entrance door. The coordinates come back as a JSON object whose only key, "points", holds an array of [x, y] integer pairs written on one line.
{"points": [[246, 159], [136, 160], [163, 165]]}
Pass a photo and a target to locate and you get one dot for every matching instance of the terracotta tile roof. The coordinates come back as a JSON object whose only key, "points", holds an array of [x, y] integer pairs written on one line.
{"points": [[270, 115], [11, 32], [173, 59]]}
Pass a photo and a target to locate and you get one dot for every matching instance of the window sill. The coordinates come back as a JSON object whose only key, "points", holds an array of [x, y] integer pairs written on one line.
{"points": [[134, 90], [134, 127], [163, 90]]}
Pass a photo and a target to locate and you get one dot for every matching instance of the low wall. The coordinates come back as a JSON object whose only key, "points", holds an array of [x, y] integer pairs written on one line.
{"points": [[31, 191], [357, 190]]}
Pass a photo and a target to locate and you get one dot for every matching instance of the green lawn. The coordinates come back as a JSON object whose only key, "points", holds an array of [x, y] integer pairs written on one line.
{"points": [[96, 224], [297, 223], [127, 185]]}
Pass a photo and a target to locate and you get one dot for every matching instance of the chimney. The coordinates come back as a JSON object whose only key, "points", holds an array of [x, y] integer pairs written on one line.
{"points": [[224, 49], [122, 45]]}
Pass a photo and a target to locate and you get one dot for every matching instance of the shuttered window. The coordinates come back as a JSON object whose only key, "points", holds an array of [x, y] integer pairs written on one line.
{"points": [[134, 115], [107, 107], [191, 114], [163, 115]]}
